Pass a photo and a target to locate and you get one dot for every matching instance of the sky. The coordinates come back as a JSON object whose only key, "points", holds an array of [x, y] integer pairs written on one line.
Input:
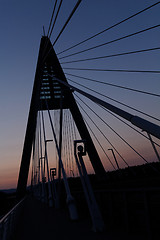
{"points": [[21, 24]]}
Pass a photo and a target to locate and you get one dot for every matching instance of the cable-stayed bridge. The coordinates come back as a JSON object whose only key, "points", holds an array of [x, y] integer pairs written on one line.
{"points": [[67, 139]]}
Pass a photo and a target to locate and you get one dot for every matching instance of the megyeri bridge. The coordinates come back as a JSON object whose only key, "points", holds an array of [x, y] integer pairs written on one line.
{"points": [[67, 122]]}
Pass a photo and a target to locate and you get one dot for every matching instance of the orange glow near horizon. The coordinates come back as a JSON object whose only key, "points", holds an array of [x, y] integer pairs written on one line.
{"points": [[9, 176]]}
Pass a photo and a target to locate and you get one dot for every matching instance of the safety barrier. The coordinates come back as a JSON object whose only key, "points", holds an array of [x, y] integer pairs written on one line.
{"points": [[9, 221]]}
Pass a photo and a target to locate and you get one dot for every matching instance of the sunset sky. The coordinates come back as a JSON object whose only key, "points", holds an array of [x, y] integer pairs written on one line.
{"points": [[21, 24]]}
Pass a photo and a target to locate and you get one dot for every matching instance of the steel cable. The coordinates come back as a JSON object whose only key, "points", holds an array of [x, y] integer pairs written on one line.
{"points": [[114, 85], [112, 55], [108, 28], [112, 99], [112, 41]]}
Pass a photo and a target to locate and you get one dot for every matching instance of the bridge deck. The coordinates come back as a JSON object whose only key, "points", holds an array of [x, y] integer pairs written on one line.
{"points": [[40, 222]]}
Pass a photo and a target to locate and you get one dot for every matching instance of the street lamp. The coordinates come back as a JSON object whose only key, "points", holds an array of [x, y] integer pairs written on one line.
{"points": [[49, 182], [42, 167], [72, 172], [43, 178], [154, 148], [114, 158]]}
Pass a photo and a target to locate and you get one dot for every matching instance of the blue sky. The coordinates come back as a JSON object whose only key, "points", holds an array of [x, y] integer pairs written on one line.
{"points": [[21, 25]]}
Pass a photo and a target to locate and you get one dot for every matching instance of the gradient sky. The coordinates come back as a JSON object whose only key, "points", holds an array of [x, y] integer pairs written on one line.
{"points": [[21, 25]]}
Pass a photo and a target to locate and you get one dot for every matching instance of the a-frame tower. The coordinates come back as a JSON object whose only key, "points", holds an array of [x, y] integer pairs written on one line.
{"points": [[46, 87]]}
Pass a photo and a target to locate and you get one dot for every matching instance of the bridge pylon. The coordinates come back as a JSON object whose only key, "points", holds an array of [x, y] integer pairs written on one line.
{"points": [[46, 88]]}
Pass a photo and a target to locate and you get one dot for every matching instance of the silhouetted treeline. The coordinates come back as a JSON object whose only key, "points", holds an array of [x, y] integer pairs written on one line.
{"points": [[137, 176]]}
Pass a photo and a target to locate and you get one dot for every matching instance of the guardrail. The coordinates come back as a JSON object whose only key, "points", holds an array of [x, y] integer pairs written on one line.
{"points": [[9, 221]]}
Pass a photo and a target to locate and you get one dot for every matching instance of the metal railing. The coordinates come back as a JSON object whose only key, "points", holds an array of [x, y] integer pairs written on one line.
{"points": [[9, 221]]}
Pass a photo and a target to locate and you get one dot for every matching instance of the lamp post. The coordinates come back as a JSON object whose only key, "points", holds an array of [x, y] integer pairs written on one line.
{"points": [[42, 167], [72, 172], [42, 175], [154, 148], [49, 182], [54, 190], [114, 158], [95, 214]]}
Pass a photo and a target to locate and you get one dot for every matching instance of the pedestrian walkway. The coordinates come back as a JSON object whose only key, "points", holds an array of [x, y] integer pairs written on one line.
{"points": [[41, 222]]}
